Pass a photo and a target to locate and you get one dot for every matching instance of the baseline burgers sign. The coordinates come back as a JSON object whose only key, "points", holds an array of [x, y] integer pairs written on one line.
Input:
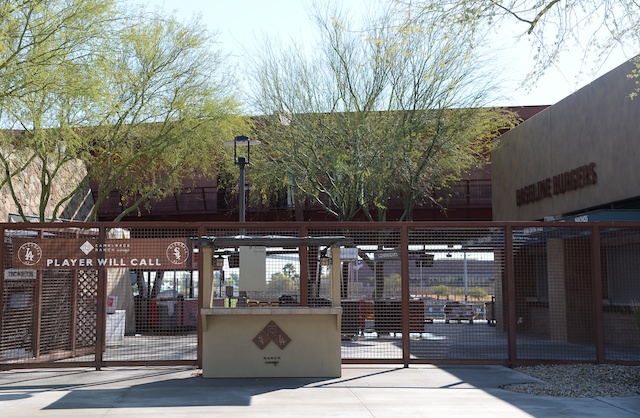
{"points": [[568, 181], [162, 254]]}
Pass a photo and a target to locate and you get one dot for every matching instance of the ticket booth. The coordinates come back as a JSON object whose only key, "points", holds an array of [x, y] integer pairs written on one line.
{"points": [[292, 336]]}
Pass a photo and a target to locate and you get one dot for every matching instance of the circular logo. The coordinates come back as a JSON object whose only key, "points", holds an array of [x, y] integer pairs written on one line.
{"points": [[29, 253], [177, 252]]}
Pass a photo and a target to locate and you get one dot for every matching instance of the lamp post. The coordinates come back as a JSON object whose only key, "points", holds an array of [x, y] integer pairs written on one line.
{"points": [[241, 161], [219, 263]]}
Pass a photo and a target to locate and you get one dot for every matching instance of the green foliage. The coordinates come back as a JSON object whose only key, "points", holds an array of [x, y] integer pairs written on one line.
{"points": [[393, 283], [477, 293], [388, 111], [166, 110], [45, 67], [289, 270], [440, 290], [635, 74], [232, 279], [280, 283], [285, 282], [594, 28], [458, 291], [139, 98]]}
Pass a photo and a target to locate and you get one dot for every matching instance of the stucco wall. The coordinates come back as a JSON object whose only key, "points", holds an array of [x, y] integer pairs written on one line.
{"points": [[305, 342], [598, 124], [27, 189]]}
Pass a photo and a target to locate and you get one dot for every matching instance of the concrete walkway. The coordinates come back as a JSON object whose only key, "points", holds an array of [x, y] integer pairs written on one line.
{"points": [[362, 391]]}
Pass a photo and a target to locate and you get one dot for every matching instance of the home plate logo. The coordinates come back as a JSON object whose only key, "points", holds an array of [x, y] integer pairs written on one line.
{"points": [[272, 332]]}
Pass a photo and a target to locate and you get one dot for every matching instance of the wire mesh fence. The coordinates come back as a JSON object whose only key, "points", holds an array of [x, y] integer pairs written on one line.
{"points": [[553, 285], [457, 273], [620, 265], [507, 293]]}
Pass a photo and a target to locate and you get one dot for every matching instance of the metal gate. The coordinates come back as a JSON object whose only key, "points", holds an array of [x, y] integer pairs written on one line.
{"points": [[104, 294]]}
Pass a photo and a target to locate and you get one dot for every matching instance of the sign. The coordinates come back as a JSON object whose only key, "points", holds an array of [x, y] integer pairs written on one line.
{"points": [[348, 253], [272, 332], [253, 269], [559, 184], [88, 253], [112, 303], [20, 274]]}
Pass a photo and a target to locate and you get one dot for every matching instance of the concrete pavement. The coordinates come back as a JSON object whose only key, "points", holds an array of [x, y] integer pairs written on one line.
{"points": [[362, 391]]}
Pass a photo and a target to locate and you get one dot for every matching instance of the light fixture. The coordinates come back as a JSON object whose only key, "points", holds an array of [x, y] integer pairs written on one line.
{"points": [[325, 261], [241, 161], [219, 262]]}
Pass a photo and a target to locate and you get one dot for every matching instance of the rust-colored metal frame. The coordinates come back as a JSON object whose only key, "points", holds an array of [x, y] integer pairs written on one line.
{"points": [[303, 228]]}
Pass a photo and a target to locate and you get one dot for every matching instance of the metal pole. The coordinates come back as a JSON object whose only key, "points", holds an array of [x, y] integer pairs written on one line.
{"points": [[405, 295], [596, 277], [466, 279], [221, 283], [241, 188], [509, 301]]}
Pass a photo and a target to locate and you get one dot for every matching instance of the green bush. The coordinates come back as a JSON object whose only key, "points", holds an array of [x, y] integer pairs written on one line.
{"points": [[440, 290], [477, 293]]}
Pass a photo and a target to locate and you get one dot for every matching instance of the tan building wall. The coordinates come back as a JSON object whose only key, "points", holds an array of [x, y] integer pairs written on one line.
{"points": [[588, 142], [27, 188]]}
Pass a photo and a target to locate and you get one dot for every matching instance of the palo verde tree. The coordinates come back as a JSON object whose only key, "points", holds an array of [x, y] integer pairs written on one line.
{"points": [[595, 28], [379, 112], [137, 98], [43, 57], [39, 33], [167, 109], [387, 111]]}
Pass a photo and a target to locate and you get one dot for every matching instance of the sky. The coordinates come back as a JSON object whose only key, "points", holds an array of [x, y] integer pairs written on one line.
{"points": [[241, 23]]}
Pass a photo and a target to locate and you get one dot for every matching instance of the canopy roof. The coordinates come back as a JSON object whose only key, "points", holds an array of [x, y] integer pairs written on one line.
{"points": [[270, 241]]}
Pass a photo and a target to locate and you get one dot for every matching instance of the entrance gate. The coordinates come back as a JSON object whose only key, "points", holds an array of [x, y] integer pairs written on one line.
{"points": [[104, 294]]}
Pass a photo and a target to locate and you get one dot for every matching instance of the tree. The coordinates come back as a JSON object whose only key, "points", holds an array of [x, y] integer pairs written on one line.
{"points": [[394, 283], [281, 284], [286, 281], [37, 33], [390, 111], [43, 50], [440, 290], [596, 27], [477, 293], [138, 98], [384, 112], [167, 110], [290, 270]]}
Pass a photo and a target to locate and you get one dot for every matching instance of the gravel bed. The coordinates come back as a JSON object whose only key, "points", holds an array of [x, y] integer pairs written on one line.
{"points": [[580, 380]]}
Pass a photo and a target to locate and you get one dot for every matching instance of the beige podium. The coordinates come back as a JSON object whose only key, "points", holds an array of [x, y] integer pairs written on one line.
{"points": [[274, 341]]}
